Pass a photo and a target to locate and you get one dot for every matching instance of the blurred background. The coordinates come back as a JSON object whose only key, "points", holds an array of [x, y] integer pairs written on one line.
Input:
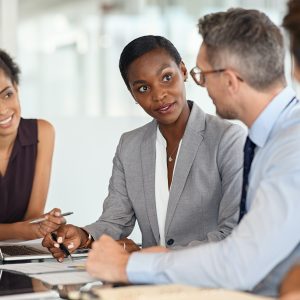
{"points": [[68, 52]]}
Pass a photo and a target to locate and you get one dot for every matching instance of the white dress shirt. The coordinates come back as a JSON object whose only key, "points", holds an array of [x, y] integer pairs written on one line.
{"points": [[268, 233], [161, 183]]}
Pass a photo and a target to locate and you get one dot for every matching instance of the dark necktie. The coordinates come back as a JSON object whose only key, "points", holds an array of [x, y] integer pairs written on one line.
{"points": [[248, 157]]}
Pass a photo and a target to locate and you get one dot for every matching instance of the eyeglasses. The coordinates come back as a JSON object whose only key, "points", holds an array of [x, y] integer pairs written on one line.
{"points": [[199, 76]]}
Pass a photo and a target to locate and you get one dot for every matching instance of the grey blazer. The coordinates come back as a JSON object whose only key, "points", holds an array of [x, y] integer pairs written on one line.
{"points": [[205, 193]]}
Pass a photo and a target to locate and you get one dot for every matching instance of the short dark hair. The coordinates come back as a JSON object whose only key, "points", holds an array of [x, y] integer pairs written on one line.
{"points": [[292, 23], [247, 40], [141, 46], [9, 67]]}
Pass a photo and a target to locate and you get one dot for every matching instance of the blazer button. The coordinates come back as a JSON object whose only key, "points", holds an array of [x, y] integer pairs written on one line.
{"points": [[170, 242]]}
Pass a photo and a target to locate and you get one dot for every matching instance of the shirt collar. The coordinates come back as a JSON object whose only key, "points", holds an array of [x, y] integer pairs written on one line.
{"points": [[263, 125], [160, 138]]}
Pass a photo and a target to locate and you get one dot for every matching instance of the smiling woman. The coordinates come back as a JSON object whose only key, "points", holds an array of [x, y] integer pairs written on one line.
{"points": [[26, 148]]}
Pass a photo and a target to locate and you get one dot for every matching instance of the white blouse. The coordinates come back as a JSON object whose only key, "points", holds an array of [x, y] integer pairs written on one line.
{"points": [[161, 183]]}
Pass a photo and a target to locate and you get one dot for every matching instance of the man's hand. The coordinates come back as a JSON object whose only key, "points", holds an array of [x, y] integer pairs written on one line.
{"points": [[71, 236], [108, 260], [128, 245], [155, 249]]}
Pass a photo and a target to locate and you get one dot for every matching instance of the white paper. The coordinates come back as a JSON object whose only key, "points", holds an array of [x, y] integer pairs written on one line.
{"points": [[46, 267], [53, 272], [73, 277], [49, 295]]}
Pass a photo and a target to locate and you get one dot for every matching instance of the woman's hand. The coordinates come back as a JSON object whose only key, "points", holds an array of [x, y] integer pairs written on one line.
{"points": [[71, 236], [53, 221]]}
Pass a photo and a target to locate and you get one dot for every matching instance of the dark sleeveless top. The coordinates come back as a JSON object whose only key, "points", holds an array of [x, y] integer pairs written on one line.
{"points": [[16, 184]]}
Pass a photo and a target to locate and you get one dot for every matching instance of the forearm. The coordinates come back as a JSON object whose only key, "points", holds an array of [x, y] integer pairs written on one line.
{"points": [[19, 231], [100, 227]]}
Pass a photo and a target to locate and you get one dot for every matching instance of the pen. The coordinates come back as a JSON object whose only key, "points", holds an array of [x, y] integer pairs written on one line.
{"points": [[61, 246], [39, 220], [77, 267]]}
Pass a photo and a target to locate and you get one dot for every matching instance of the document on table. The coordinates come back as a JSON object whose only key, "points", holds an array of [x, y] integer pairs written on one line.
{"points": [[53, 272], [46, 267], [74, 277]]}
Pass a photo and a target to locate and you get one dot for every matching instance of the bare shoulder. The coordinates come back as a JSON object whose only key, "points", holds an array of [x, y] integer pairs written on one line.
{"points": [[45, 130]]}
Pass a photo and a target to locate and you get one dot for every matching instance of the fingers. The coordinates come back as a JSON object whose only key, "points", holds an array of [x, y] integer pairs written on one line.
{"points": [[54, 216], [69, 235], [53, 247], [53, 221], [57, 253], [107, 260]]}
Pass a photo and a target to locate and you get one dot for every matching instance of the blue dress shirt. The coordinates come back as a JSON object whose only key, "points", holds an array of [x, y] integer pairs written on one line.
{"points": [[266, 242]]}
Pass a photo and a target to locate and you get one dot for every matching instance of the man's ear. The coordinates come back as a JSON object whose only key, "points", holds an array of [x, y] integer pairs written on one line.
{"points": [[231, 81], [184, 70]]}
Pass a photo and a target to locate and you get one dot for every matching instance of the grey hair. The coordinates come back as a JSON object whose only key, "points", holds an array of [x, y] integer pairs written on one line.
{"points": [[248, 41]]}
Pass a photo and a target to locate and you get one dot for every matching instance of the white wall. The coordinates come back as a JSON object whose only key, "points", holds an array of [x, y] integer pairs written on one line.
{"points": [[83, 162]]}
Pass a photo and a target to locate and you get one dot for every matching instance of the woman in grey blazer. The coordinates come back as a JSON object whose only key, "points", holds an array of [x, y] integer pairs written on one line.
{"points": [[179, 176]]}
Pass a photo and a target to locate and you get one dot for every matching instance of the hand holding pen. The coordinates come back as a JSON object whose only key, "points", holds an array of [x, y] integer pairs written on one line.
{"points": [[42, 219], [72, 237], [60, 245], [49, 222]]}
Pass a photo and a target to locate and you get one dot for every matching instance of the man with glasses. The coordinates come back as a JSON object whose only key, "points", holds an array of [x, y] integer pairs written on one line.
{"points": [[241, 64]]}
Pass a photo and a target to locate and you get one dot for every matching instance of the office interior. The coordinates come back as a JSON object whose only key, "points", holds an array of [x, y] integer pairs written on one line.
{"points": [[68, 52]]}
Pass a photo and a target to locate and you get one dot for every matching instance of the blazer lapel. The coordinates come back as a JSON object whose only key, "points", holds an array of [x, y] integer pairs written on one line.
{"points": [[191, 141], [148, 150]]}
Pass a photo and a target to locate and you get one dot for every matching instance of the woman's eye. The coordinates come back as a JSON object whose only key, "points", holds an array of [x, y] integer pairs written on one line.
{"points": [[167, 77], [8, 95], [143, 89]]}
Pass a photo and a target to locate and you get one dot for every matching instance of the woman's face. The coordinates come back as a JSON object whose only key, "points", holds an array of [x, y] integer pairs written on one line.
{"points": [[9, 106], [157, 84]]}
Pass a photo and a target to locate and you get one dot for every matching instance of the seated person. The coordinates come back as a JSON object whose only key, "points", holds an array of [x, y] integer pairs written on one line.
{"points": [[246, 81], [26, 148], [179, 175], [290, 287]]}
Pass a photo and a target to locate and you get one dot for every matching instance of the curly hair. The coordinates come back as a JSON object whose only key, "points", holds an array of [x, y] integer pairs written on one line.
{"points": [[9, 67]]}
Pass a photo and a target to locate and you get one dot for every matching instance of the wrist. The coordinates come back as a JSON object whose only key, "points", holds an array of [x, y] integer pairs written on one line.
{"points": [[24, 231], [123, 266], [86, 239], [17, 231]]}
